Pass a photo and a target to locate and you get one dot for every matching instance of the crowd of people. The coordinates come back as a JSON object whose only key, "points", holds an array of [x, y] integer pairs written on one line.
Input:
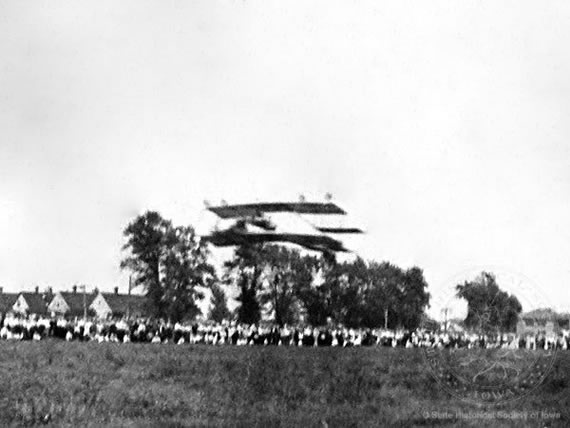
{"points": [[232, 333]]}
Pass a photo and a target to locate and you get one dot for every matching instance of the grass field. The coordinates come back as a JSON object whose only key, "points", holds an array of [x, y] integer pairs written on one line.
{"points": [[89, 384]]}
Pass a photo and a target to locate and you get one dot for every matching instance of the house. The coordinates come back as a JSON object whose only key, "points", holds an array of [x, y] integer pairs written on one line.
{"points": [[115, 305], [542, 321], [31, 303], [7, 300], [533, 326], [71, 303]]}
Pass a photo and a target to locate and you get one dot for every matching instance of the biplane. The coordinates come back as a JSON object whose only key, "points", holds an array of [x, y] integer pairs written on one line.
{"points": [[279, 222]]}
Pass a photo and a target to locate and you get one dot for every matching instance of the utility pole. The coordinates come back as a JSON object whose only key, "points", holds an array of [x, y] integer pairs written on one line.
{"points": [[386, 319], [84, 301], [445, 311], [129, 298]]}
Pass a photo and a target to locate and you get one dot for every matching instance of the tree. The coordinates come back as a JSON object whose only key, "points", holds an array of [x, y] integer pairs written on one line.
{"points": [[379, 294], [220, 309], [380, 307], [245, 270], [356, 294], [489, 309], [319, 297], [414, 298], [350, 281], [145, 244], [185, 267], [361, 294], [169, 262], [270, 276], [285, 272]]}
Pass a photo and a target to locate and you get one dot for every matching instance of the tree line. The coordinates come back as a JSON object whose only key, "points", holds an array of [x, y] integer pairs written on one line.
{"points": [[171, 263]]}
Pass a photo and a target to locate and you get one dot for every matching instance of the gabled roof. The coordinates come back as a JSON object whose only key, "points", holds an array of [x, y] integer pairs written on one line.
{"points": [[75, 301], [540, 314], [120, 302], [36, 302], [7, 300]]}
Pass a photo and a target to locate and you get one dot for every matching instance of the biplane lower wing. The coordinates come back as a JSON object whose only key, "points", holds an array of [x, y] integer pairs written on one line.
{"points": [[339, 230], [315, 242]]}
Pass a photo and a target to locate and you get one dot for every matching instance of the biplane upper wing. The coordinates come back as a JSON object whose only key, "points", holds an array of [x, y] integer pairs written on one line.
{"points": [[254, 210]]}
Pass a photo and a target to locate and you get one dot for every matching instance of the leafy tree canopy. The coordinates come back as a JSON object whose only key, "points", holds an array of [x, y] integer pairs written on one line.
{"points": [[220, 311], [489, 309], [169, 262]]}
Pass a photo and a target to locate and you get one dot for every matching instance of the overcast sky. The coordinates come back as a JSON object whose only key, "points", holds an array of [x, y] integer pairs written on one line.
{"points": [[441, 127]]}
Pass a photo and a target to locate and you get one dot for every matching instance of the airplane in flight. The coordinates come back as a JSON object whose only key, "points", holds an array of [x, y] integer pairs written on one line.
{"points": [[279, 222]]}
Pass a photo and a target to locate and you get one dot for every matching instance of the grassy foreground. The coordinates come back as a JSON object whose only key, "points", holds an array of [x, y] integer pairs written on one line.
{"points": [[87, 384]]}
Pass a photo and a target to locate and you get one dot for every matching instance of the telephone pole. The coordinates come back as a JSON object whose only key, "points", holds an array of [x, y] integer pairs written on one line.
{"points": [[84, 287], [129, 298], [445, 311]]}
